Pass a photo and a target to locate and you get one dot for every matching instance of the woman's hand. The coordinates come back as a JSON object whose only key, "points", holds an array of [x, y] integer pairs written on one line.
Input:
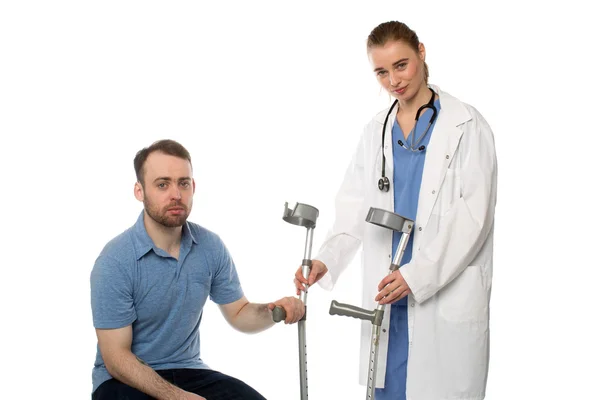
{"points": [[317, 271], [392, 288]]}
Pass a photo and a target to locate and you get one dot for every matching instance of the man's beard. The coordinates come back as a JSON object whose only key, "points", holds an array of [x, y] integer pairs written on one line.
{"points": [[162, 216]]}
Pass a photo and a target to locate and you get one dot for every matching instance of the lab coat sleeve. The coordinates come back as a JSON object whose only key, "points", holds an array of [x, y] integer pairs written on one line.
{"points": [[345, 236], [464, 228]]}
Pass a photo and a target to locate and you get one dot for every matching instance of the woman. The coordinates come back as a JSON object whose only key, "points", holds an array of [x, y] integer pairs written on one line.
{"points": [[441, 173]]}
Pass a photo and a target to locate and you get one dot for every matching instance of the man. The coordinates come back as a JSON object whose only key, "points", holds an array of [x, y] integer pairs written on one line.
{"points": [[149, 286]]}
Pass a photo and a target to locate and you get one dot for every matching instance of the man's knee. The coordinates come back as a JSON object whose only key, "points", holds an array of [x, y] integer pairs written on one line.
{"points": [[244, 390], [216, 385]]}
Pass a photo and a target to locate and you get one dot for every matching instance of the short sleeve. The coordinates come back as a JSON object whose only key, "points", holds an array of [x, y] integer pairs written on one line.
{"points": [[111, 294], [225, 287]]}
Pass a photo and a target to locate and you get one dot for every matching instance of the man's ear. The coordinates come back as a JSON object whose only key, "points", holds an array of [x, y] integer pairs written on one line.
{"points": [[138, 191]]}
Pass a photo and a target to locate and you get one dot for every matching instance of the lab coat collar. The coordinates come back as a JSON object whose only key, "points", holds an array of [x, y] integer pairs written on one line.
{"points": [[458, 112], [453, 114]]}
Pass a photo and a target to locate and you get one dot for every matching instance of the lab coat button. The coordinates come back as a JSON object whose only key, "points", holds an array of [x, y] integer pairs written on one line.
{"points": [[412, 304], [433, 192], [420, 228], [447, 156]]}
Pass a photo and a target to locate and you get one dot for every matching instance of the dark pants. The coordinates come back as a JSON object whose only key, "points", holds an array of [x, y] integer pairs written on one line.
{"points": [[205, 382]]}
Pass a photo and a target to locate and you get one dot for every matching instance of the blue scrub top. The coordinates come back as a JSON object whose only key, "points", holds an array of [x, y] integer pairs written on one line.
{"points": [[408, 172]]}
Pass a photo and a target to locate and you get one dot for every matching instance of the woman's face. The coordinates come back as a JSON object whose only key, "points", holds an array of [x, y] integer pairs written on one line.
{"points": [[399, 69]]}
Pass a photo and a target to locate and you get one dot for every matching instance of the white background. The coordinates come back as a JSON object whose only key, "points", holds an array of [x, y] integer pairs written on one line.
{"points": [[270, 99]]}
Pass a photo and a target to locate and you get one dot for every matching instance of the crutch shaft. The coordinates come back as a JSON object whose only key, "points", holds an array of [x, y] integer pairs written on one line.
{"points": [[376, 329], [371, 383], [308, 243], [306, 263], [303, 363], [400, 251], [306, 216]]}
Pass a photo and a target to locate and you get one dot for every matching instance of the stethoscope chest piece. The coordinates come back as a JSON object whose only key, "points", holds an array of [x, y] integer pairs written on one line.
{"points": [[384, 184]]}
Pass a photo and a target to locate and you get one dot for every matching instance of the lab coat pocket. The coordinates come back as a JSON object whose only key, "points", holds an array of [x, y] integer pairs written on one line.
{"points": [[450, 191], [464, 299]]}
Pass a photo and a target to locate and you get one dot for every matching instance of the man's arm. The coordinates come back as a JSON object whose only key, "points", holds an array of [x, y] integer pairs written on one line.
{"points": [[252, 317], [123, 365]]}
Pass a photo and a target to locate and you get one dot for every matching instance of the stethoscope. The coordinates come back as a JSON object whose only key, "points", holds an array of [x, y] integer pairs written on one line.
{"points": [[384, 182]]}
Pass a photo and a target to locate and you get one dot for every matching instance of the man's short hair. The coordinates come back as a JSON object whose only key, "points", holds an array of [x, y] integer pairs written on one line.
{"points": [[165, 146]]}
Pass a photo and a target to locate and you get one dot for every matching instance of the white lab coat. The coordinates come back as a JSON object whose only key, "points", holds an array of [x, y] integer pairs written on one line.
{"points": [[450, 273]]}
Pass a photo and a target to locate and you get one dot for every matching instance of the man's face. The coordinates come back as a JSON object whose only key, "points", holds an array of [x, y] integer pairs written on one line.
{"points": [[168, 189]]}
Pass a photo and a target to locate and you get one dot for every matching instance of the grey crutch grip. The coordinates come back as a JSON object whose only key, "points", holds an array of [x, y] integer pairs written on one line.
{"points": [[279, 314], [347, 310]]}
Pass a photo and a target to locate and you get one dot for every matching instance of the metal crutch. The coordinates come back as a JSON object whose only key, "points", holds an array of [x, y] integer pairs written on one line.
{"points": [[389, 220], [306, 216]]}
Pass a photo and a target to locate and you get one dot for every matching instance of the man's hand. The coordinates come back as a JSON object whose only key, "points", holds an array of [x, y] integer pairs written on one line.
{"points": [[317, 271], [294, 309], [396, 288]]}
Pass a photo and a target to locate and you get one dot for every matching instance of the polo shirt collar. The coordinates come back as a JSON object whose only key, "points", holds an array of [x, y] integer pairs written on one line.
{"points": [[143, 243]]}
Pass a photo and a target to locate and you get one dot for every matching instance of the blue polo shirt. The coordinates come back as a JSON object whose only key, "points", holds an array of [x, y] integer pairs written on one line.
{"points": [[135, 283], [408, 173]]}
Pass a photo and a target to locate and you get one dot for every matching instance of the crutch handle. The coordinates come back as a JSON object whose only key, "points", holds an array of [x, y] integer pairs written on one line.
{"points": [[279, 314], [348, 310]]}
